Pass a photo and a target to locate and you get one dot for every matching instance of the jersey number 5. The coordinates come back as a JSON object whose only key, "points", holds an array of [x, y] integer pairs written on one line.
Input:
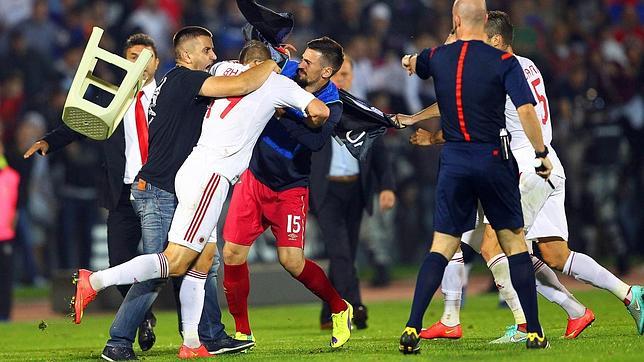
{"points": [[232, 103], [542, 99]]}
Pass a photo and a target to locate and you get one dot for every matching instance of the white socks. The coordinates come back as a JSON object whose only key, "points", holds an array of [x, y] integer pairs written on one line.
{"points": [[192, 296], [586, 269], [139, 269], [500, 269], [452, 286], [551, 288]]}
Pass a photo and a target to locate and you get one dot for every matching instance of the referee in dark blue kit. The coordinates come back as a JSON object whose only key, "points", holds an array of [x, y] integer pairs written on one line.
{"points": [[471, 81]]}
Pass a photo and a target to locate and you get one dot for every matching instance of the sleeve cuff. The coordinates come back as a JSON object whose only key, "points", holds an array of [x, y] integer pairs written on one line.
{"points": [[422, 64]]}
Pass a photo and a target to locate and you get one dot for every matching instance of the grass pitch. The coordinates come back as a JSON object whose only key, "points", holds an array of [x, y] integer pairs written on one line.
{"points": [[288, 333]]}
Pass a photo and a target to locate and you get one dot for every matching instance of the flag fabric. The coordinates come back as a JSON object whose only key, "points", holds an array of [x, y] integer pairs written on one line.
{"points": [[266, 24], [361, 123]]}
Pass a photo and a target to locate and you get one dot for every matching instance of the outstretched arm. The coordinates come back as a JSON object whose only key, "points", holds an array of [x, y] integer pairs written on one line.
{"points": [[313, 139], [239, 85], [60, 137], [427, 113]]}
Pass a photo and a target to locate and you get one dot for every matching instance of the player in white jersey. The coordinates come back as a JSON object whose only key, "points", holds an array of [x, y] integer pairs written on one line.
{"points": [[545, 223], [230, 129]]}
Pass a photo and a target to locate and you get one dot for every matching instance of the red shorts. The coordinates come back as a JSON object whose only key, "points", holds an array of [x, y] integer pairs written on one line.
{"points": [[254, 207]]}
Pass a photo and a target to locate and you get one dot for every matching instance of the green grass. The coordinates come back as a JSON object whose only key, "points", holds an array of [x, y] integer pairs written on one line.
{"points": [[31, 293], [291, 333]]}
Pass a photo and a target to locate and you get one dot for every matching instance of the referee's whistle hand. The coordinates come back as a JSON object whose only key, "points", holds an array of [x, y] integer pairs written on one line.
{"points": [[40, 146], [546, 168], [408, 63]]}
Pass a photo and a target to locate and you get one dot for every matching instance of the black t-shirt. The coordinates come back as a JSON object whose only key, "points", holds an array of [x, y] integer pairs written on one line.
{"points": [[175, 115]]}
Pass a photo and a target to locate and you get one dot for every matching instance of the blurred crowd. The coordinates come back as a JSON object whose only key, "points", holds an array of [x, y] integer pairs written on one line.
{"points": [[589, 51]]}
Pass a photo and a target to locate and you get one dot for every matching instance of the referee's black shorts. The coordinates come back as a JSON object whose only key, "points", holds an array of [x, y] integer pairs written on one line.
{"points": [[470, 172]]}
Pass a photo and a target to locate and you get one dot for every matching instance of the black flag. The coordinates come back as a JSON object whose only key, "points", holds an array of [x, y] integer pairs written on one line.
{"points": [[267, 25], [361, 124]]}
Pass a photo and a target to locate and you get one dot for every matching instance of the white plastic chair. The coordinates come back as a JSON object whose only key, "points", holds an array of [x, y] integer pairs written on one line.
{"points": [[88, 118]]}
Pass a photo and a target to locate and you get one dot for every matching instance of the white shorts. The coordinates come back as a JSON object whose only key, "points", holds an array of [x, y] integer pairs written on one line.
{"points": [[542, 202], [201, 194], [474, 238], [534, 193], [550, 219]]}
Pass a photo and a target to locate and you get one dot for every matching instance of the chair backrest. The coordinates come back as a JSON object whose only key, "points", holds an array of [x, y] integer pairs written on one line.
{"points": [[91, 119]]}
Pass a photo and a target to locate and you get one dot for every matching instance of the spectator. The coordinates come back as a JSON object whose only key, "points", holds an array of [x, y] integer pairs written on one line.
{"points": [[9, 180], [12, 100], [151, 19], [34, 67], [41, 33], [30, 129]]}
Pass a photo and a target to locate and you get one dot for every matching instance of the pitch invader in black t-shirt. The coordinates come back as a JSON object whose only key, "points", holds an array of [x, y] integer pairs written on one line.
{"points": [[176, 112]]}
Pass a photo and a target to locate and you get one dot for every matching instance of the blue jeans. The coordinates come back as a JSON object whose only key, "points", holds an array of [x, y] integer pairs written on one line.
{"points": [[156, 207]]}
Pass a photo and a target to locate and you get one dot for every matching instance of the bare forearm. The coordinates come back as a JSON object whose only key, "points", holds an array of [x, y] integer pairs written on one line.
{"points": [[421, 117], [254, 77], [531, 126], [427, 113], [248, 81]]}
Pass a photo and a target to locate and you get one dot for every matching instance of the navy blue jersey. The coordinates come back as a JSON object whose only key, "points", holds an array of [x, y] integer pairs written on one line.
{"points": [[471, 80], [282, 157]]}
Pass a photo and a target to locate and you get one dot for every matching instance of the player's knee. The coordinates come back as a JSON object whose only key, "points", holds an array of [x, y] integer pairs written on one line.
{"points": [[555, 253], [487, 254], [233, 255], [203, 264], [292, 264], [554, 260], [178, 260], [177, 266]]}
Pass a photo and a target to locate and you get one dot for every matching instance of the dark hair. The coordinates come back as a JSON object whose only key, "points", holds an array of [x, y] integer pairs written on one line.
{"points": [[498, 23], [331, 51], [254, 50], [187, 33], [140, 39]]}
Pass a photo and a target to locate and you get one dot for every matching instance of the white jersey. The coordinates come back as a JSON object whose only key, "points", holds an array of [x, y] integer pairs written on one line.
{"points": [[520, 145], [513, 124], [232, 125]]}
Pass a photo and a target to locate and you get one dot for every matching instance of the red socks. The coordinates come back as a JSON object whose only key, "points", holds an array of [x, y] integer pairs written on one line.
{"points": [[236, 288], [316, 281]]}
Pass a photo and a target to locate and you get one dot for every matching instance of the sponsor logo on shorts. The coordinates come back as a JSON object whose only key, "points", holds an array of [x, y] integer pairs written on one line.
{"points": [[201, 240], [292, 236]]}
